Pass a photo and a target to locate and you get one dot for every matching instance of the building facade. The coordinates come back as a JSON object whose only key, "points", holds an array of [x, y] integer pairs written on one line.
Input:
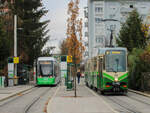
{"points": [[114, 12]]}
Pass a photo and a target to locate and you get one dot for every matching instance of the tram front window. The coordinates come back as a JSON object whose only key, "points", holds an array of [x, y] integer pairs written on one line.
{"points": [[46, 69], [115, 61]]}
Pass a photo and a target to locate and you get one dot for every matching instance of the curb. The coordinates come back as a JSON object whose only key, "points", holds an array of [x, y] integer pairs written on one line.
{"points": [[51, 99], [15, 94], [140, 93]]}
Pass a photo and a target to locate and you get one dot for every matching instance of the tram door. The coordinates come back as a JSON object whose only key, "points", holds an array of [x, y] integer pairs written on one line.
{"points": [[100, 70]]}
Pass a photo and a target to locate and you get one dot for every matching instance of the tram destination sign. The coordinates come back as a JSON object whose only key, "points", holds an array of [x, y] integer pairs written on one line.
{"points": [[114, 52]]}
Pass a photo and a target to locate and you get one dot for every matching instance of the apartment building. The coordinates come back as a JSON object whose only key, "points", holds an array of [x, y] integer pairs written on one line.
{"points": [[114, 12]]}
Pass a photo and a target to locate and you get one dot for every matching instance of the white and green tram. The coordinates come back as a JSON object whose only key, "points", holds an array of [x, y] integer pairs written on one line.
{"points": [[47, 71], [107, 71]]}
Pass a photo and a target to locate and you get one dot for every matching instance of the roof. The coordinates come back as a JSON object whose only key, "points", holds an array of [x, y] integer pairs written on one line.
{"points": [[46, 58]]}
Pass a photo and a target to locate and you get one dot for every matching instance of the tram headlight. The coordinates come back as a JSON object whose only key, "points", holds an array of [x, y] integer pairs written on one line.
{"points": [[40, 76], [50, 76], [116, 78]]}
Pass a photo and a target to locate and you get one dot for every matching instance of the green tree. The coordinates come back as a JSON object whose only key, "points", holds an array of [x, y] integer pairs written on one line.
{"points": [[131, 33], [33, 36], [4, 46], [135, 68]]}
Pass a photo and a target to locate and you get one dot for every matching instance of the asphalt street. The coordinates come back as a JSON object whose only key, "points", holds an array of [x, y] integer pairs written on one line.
{"points": [[130, 103], [36, 100], [32, 101]]}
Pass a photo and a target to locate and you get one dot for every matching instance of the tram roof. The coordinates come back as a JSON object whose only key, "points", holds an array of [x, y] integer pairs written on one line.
{"points": [[103, 50], [46, 58]]}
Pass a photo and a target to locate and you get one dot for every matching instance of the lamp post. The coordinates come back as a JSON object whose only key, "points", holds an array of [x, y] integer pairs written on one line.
{"points": [[112, 28], [15, 43]]}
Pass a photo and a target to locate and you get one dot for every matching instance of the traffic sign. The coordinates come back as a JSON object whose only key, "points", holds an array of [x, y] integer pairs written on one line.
{"points": [[69, 58], [10, 60], [10, 70], [16, 60]]}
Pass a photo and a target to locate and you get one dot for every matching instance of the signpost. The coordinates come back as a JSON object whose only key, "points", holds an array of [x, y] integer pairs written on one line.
{"points": [[63, 68], [10, 71], [69, 59], [16, 60]]}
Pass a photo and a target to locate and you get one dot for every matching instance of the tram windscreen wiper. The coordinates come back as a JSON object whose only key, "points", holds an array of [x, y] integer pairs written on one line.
{"points": [[117, 61], [112, 70]]}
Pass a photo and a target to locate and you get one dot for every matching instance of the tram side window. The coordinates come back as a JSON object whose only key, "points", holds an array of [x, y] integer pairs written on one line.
{"points": [[95, 65], [103, 63], [55, 70]]}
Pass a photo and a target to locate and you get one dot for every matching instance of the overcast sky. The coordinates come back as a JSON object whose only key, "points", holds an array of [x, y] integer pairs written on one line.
{"points": [[58, 17]]}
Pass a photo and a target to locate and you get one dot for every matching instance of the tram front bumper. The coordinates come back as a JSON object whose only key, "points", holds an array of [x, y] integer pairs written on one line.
{"points": [[116, 86]]}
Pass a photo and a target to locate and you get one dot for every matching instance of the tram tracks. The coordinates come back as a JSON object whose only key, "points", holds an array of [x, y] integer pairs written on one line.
{"points": [[141, 101], [29, 106], [126, 107], [28, 101], [8, 101]]}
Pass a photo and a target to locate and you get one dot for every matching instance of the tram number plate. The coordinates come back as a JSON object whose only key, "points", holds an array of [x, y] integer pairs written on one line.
{"points": [[116, 83], [45, 78]]}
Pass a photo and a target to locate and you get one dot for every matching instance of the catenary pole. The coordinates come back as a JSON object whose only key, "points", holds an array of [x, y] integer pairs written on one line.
{"points": [[15, 43]]}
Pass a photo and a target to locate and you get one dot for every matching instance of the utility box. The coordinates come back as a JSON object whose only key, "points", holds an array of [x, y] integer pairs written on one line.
{"points": [[69, 85], [2, 81], [10, 82]]}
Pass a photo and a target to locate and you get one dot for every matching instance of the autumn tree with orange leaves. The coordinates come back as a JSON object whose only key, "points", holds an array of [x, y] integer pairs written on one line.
{"points": [[73, 44], [74, 32]]}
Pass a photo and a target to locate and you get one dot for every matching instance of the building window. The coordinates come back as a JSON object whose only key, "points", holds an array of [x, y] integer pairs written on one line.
{"points": [[98, 20], [112, 15], [98, 9], [99, 39], [131, 6], [143, 16]]}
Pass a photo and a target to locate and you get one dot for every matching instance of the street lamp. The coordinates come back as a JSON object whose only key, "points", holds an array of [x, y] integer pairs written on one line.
{"points": [[112, 28], [15, 43]]}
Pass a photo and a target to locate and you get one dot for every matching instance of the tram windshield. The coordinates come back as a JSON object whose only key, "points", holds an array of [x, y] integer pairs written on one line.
{"points": [[115, 61], [46, 68]]}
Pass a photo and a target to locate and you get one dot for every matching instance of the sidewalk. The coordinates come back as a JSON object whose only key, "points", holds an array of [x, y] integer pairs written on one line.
{"points": [[8, 92], [87, 101]]}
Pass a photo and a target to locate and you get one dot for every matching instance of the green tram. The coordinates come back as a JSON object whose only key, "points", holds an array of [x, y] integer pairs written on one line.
{"points": [[107, 71], [47, 71]]}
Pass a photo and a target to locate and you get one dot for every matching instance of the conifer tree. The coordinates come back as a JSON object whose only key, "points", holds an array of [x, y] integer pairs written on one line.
{"points": [[4, 46], [33, 35], [131, 34]]}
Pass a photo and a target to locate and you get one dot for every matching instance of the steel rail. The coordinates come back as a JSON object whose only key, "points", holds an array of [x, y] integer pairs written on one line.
{"points": [[122, 104], [138, 100], [28, 107], [17, 97]]}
